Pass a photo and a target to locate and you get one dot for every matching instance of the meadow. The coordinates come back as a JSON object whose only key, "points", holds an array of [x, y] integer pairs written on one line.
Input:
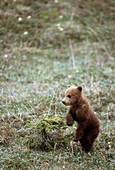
{"points": [[44, 46]]}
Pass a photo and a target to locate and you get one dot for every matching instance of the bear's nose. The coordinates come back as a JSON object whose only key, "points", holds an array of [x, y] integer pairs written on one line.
{"points": [[63, 102]]}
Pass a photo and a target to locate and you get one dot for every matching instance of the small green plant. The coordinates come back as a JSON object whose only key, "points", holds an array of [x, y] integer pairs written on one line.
{"points": [[48, 134]]}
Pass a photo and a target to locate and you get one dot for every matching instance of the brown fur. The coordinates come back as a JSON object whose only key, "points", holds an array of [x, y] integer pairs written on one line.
{"points": [[81, 112]]}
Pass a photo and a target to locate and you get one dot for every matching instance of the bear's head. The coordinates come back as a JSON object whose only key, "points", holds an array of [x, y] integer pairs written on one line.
{"points": [[72, 95]]}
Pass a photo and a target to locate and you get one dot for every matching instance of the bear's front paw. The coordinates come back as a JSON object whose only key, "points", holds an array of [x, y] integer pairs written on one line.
{"points": [[75, 140], [69, 124]]}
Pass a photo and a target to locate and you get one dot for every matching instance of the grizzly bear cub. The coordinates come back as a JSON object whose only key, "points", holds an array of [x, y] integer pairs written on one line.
{"points": [[81, 112]]}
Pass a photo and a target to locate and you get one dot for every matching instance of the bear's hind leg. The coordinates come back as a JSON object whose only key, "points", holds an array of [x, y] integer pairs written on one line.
{"points": [[87, 144], [88, 139]]}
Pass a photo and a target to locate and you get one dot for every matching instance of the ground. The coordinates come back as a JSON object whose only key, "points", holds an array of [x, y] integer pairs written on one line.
{"points": [[44, 46]]}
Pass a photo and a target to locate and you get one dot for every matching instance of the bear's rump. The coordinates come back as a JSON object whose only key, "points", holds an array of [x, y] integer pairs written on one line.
{"points": [[91, 132]]}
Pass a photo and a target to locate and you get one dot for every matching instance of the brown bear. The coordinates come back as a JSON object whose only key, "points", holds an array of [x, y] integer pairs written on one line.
{"points": [[81, 112]]}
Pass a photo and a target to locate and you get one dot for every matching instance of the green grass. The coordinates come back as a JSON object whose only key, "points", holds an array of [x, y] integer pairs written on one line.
{"points": [[69, 42]]}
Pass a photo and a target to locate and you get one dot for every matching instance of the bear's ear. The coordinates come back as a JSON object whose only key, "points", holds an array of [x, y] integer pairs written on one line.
{"points": [[68, 86], [80, 88]]}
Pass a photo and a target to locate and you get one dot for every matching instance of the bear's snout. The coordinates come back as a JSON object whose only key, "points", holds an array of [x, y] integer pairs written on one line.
{"points": [[63, 102]]}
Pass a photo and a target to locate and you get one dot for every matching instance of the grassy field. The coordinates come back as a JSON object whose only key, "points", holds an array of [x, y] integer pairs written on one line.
{"points": [[44, 46]]}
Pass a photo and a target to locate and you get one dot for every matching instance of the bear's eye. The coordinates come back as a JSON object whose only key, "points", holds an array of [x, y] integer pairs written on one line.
{"points": [[69, 96]]}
